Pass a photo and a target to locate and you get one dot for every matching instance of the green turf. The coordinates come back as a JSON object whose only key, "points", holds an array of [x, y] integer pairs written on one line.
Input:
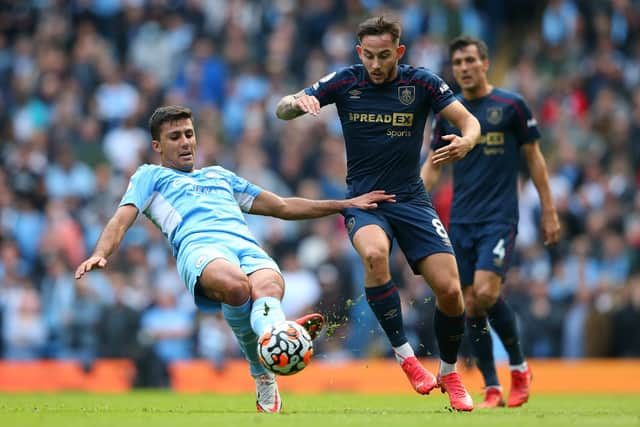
{"points": [[158, 408]]}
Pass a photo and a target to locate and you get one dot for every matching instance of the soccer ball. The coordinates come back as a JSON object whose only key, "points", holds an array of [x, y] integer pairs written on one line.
{"points": [[285, 348]]}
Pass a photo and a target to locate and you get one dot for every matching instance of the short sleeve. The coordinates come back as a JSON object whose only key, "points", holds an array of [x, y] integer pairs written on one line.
{"points": [[525, 126], [326, 88], [441, 92], [243, 191], [140, 189]]}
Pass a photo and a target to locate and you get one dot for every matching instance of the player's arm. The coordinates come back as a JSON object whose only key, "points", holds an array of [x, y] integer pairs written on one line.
{"points": [[270, 204], [458, 146], [550, 223], [109, 240], [292, 106], [430, 173]]}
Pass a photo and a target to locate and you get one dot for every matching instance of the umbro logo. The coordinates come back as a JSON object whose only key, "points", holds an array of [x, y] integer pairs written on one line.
{"points": [[355, 94]]}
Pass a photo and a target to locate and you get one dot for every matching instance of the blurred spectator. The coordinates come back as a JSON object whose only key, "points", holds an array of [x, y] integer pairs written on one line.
{"points": [[76, 81]]}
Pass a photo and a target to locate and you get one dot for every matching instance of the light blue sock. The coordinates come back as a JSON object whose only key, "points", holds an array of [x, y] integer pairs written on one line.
{"points": [[265, 312], [238, 318]]}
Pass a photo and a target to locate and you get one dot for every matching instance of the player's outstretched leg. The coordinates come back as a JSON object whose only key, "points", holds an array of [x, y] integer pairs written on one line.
{"points": [[520, 382], [313, 323], [492, 398], [267, 394]]}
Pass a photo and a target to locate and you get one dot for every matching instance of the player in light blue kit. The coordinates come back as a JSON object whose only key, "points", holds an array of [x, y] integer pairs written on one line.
{"points": [[219, 260]]}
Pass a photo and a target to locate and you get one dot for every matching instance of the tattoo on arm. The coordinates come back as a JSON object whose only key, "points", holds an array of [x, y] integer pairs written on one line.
{"points": [[287, 108]]}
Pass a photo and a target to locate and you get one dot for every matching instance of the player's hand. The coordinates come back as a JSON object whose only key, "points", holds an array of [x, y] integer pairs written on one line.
{"points": [[372, 199], [457, 148], [550, 225], [90, 264], [307, 103]]}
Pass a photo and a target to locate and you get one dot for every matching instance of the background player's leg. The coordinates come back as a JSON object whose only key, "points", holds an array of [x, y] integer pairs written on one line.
{"points": [[487, 286], [480, 339], [372, 244]]}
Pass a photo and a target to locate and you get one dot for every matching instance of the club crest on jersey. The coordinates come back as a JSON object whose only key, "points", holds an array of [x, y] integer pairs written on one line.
{"points": [[406, 94], [494, 115]]}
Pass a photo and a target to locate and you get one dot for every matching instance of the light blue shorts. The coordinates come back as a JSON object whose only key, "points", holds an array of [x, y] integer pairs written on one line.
{"points": [[196, 256]]}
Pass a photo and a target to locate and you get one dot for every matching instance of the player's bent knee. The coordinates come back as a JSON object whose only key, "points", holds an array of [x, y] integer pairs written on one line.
{"points": [[376, 262], [227, 290], [485, 295], [375, 256], [450, 299]]}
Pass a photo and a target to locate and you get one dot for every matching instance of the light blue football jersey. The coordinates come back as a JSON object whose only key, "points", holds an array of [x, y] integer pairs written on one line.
{"points": [[189, 207]]}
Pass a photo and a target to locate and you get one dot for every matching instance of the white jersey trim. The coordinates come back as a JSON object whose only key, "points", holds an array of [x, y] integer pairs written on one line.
{"points": [[163, 213]]}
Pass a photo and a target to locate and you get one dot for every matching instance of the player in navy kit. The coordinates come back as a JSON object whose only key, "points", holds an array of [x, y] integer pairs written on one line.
{"points": [[484, 212], [383, 108]]}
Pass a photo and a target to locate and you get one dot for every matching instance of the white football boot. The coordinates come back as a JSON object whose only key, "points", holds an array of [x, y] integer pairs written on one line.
{"points": [[267, 394]]}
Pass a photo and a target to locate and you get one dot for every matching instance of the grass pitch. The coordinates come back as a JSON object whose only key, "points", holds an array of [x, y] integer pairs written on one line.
{"points": [[164, 408]]}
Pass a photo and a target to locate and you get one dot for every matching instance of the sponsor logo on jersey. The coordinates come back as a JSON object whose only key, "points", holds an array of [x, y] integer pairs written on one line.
{"points": [[395, 119], [494, 115], [406, 94], [182, 181], [354, 94]]}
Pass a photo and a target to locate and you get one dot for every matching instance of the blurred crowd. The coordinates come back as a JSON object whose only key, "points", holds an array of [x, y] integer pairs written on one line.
{"points": [[79, 79]]}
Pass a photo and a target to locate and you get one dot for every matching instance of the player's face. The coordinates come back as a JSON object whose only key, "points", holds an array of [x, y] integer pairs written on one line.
{"points": [[469, 70], [379, 55], [177, 145]]}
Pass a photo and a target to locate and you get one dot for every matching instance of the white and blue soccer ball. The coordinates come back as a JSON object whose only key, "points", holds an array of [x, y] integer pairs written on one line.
{"points": [[285, 348]]}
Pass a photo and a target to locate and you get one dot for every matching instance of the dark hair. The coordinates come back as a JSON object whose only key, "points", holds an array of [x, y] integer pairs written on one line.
{"points": [[377, 26], [166, 114], [463, 41]]}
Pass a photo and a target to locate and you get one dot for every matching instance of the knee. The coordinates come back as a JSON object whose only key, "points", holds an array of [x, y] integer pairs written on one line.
{"points": [[267, 288], [470, 305], [376, 260], [450, 299], [485, 295], [229, 290]]}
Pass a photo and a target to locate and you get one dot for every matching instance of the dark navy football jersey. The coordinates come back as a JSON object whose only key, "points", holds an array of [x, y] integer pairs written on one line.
{"points": [[383, 125], [485, 182]]}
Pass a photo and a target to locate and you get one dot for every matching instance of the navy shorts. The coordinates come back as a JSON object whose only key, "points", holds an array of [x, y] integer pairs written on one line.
{"points": [[414, 224], [485, 246]]}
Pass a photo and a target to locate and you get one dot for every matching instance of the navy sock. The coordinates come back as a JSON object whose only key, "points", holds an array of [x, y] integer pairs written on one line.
{"points": [[384, 300], [503, 321], [482, 349], [449, 333]]}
